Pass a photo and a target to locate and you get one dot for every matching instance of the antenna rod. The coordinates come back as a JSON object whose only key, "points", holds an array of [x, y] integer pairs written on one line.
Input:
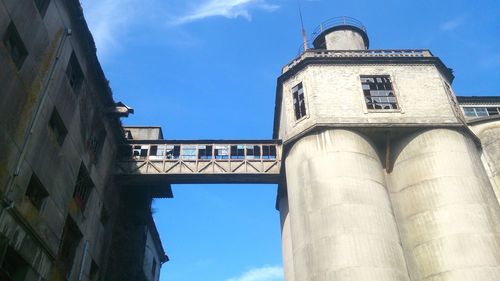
{"points": [[304, 35]]}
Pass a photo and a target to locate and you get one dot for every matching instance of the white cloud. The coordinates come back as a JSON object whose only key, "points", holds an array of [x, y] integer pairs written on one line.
{"points": [[225, 8], [452, 24], [266, 273], [109, 21]]}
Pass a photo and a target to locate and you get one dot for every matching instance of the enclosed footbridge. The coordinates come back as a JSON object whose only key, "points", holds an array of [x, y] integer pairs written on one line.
{"points": [[199, 161]]}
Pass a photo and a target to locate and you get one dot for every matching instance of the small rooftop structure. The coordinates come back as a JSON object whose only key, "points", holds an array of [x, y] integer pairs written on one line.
{"points": [[341, 33]]}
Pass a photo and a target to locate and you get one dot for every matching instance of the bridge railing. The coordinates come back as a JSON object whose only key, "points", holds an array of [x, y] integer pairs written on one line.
{"points": [[183, 158]]}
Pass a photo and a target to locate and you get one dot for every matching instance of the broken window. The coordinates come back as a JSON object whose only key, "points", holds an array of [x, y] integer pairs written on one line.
{"points": [[157, 152], [70, 239], [221, 152], [13, 267], [140, 151], [238, 151], [36, 192], [57, 127], [378, 92], [74, 73], [481, 111], [253, 151], [83, 187], [128, 134], [173, 151], [299, 104], [205, 152], [15, 46], [268, 152], [188, 152], [42, 6]]}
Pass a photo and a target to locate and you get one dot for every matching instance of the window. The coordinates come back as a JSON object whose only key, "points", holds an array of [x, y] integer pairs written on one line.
{"points": [[57, 127], [42, 6], [83, 187], [140, 151], [268, 152], [14, 267], [70, 239], [15, 46], [378, 92], [221, 151], [173, 151], [481, 111], [74, 73], [205, 152], [237, 151], [299, 104], [253, 151], [188, 152], [36, 193]]}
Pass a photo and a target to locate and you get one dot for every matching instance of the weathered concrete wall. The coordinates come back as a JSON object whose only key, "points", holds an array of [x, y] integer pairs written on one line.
{"points": [[445, 207], [489, 134], [334, 96], [41, 84], [344, 40], [342, 223], [286, 240]]}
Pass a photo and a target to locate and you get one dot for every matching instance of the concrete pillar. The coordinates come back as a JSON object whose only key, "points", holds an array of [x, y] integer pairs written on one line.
{"points": [[342, 223], [446, 210], [286, 240]]}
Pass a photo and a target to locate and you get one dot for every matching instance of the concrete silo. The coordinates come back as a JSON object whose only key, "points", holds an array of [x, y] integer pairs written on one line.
{"points": [[384, 180]]}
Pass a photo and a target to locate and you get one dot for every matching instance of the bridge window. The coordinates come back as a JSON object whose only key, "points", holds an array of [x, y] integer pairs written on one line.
{"points": [[221, 152], [299, 104], [238, 151], [140, 151], [173, 151], [253, 151], [378, 91], [205, 152], [188, 152], [268, 152]]}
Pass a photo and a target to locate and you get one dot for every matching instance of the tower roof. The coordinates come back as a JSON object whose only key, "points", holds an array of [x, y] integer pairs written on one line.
{"points": [[338, 23]]}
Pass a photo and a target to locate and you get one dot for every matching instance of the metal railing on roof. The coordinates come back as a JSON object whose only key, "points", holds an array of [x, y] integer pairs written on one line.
{"points": [[337, 21]]}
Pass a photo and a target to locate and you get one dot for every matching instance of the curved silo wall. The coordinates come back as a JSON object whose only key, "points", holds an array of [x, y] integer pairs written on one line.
{"points": [[446, 209], [489, 134], [343, 227], [286, 240]]}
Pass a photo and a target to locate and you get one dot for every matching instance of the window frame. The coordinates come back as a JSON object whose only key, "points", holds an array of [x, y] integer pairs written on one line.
{"points": [[303, 108], [393, 89], [15, 46]]}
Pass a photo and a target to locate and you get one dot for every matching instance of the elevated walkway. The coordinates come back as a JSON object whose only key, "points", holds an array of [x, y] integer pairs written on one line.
{"points": [[154, 162]]}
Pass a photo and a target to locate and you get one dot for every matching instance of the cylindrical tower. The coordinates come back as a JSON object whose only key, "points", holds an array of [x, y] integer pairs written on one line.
{"points": [[341, 33], [445, 207], [286, 239], [342, 223]]}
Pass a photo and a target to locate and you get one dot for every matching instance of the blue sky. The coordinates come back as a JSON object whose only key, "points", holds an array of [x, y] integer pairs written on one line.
{"points": [[208, 69]]}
